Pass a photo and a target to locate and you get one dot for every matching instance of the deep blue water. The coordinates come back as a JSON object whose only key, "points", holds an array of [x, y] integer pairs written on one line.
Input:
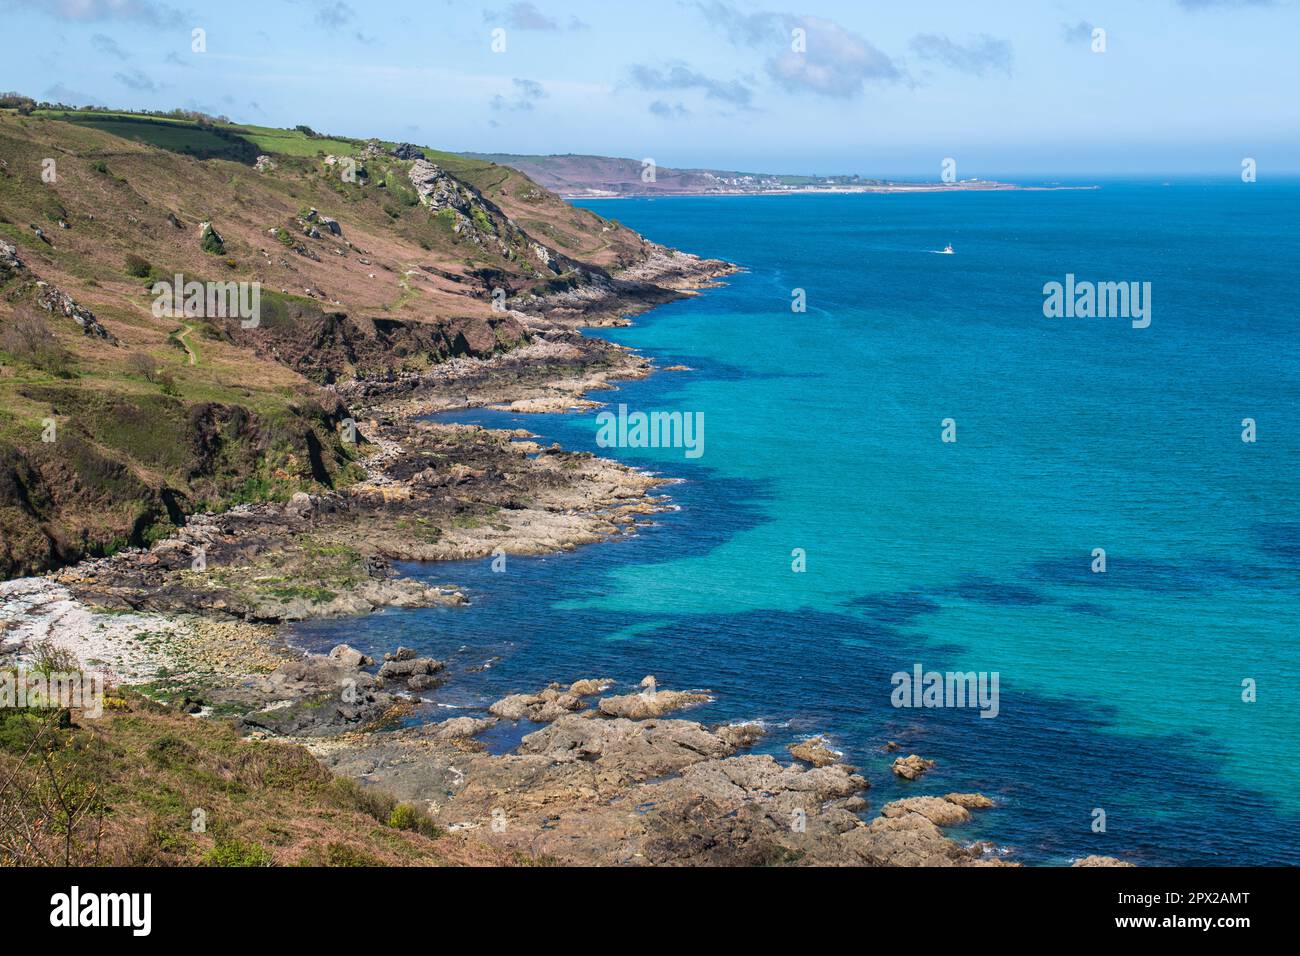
{"points": [[1120, 691]]}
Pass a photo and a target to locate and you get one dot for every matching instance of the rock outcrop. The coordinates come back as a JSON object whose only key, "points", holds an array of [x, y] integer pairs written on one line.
{"points": [[1089, 861], [60, 303], [911, 767], [437, 189], [650, 702], [971, 801], [417, 673], [48, 297], [319, 695], [593, 789], [477, 219], [937, 810], [349, 657], [814, 751], [457, 729], [10, 264], [549, 704]]}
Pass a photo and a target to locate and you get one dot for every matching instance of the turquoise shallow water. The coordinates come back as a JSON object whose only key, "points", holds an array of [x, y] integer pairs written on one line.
{"points": [[1120, 691]]}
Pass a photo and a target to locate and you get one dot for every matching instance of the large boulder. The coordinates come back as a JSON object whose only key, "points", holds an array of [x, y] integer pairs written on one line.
{"points": [[589, 686], [907, 840], [912, 766], [514, 706], [319, 695], [627, 748], [1100, 861], [937, 810], [814, 751], [472, 336], [650, 702], [971, 801], [458, 729], [414, 671], [549, 704], [349, 657], [740, 735], [10, 264]]}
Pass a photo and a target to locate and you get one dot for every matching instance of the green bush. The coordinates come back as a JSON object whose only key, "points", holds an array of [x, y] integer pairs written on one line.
{"points": [[405, 816], [212, 242], [138, 266], [170, 752]]}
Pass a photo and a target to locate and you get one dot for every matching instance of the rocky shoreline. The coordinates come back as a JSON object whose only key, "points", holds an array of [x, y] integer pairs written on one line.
{"points": [[592, 786], [196, 616], [602, 778]]}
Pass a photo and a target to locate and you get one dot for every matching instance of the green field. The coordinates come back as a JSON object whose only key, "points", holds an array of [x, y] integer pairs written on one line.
{"points": [[174, 135], [234, 141], [292, 142], [243, 142]]}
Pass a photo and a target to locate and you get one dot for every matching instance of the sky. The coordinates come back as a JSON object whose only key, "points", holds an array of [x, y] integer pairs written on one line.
{"points": [[870, 87]]}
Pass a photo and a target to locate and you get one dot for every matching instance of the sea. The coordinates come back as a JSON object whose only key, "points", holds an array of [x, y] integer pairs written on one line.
{"points": [[911, 465]]}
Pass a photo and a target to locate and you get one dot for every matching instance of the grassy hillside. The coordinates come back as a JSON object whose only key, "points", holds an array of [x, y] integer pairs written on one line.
{"points": [[156, 417], [145, 785], [170, 134], [579, 232]]}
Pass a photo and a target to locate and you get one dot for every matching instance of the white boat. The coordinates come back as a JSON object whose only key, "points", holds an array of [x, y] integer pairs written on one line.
{"points": [[947, 250]]}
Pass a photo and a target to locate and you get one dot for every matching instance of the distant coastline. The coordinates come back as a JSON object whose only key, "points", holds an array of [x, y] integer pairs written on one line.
{"points": [[894, 188], [573, 176]]}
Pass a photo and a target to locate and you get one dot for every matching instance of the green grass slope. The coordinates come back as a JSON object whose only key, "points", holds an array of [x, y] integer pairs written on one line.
{"points": [[161, 416]]}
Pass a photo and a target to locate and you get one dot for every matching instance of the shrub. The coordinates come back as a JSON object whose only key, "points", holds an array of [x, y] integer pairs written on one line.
{"points": [[405, 816], [17, 101], [171, 752], [53, 659], [138, 266], [211, 241], [142, 364], [28, 339]]}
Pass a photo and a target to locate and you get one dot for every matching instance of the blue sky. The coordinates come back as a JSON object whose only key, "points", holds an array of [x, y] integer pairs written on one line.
{"points": [[883, 88]]}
